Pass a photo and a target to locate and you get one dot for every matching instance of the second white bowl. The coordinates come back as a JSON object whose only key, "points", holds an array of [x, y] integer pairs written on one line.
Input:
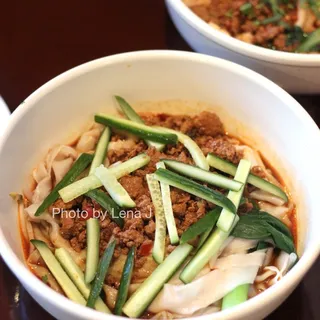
{"points": [[296, 73]]}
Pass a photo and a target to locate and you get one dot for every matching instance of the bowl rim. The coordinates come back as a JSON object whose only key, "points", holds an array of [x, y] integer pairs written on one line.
{"points": [[241, 47], [51, 297]]}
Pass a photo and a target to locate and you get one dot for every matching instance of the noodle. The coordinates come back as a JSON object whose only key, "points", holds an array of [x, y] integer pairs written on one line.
{"points": [[44, 273], [237, 262]]}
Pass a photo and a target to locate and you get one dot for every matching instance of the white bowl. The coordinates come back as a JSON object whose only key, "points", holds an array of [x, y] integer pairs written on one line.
{"points": [[296, 73], [250, 105]]}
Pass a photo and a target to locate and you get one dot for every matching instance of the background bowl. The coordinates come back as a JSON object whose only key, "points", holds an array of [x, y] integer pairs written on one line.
{"points": [[251, 106], [296, 73]]}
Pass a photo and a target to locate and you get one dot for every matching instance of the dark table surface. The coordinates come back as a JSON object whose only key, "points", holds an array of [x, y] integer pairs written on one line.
{"points": [[41, 39]]}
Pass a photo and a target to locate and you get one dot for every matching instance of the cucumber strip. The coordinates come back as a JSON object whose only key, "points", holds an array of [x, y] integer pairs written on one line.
{"points": [[129, 112], [108, 204], [138, 129], [101, 150], [93, 239], [77, 276], [204, 224], [194, 188], [160, 235], [101, 274], [59, 274], [79, 188], [149, 289], [117, 192], [210, 248], [77, 168], [195, 151], [203, 238], [125, 282], [91, 182], [203, 175], [227, 217], [133, 116], [254, 180], [167, 207], [235, 297], [130, 165]]}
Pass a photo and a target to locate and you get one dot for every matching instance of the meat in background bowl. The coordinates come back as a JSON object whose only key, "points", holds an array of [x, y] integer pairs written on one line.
{"points": [[251, 107], [295, 72]]}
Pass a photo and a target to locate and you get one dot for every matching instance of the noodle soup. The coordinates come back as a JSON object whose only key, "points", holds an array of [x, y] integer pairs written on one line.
{"points": [[157, 215]]}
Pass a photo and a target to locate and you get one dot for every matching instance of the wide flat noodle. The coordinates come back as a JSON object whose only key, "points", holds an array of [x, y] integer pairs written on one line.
{"points": [[89, 139], [58, 162], [231, 272], [276, 272], [55, 237], [238, 245], [45, 275], [254, 157], [280, 212], [111, 296], [51, 170], [262, 195]]}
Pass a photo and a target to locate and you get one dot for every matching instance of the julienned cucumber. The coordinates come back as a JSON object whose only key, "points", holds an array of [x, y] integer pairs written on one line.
{"points": [[91, 182], [167, 207], [227, 217], [78, 167], [59, 274], [93, 238], [145, 294], [194, 188], [79, 188], [138, 129], [130, 165], [203, 175], [254, 180], [101, 274], [117, 192], [160, 235], [125, 282], [195, 151], [210, 248], [133, 116], [77, 276], [203, 238], [129, 112], [108, 204], [101, 150]]}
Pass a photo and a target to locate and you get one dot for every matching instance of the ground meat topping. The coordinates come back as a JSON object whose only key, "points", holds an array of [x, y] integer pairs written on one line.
{"points": [[220, 146], [208, 124], [259, 22], [145, 206], [205, 123], [181, 123], [134, 185], [59, 205], [123, 154], [139, 222]]}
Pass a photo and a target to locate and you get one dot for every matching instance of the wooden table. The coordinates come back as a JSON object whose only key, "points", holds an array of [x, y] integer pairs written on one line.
{"points": [[41, 39]]}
